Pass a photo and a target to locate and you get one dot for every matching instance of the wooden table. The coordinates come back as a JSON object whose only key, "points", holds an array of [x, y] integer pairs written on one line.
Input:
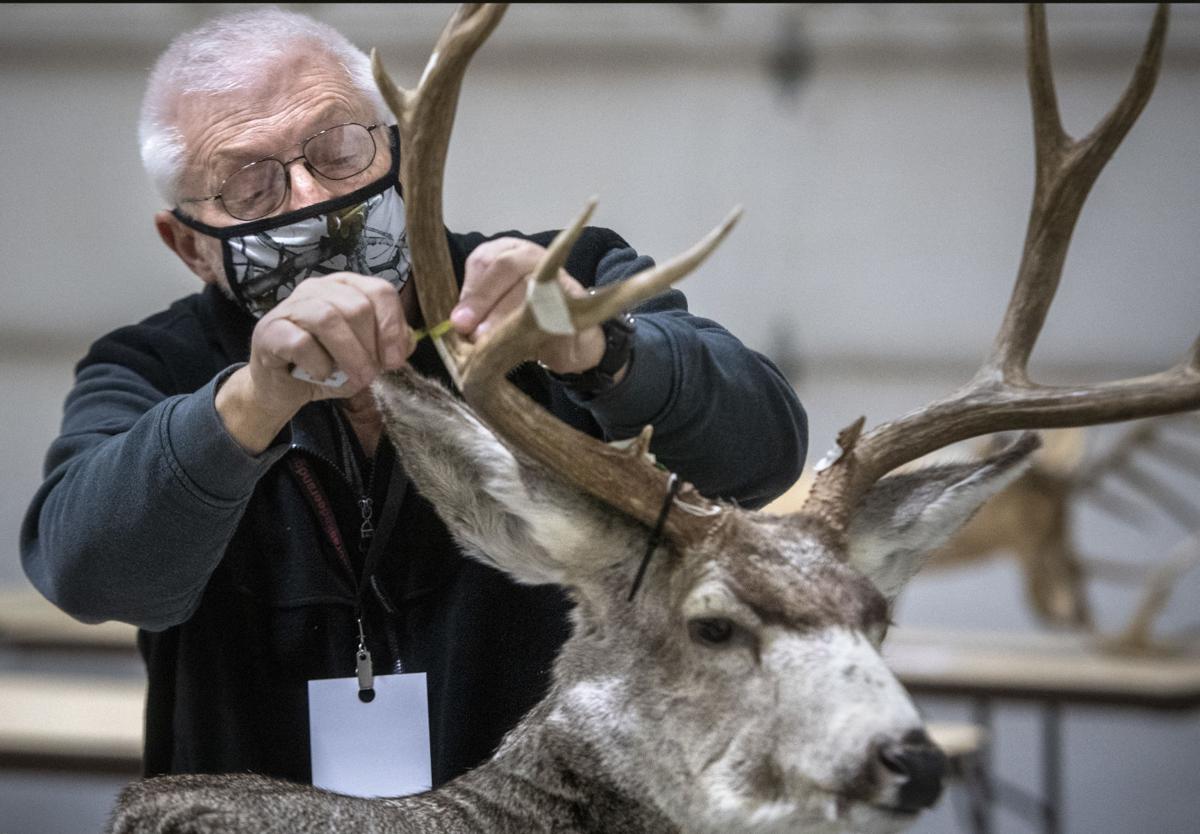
{"points": [[1040, 667], [85, 723], [71, 723], [1051, 670]]}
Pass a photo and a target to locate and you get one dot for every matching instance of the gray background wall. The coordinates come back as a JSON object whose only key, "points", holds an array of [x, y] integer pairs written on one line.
{"points": [[886, 196]]}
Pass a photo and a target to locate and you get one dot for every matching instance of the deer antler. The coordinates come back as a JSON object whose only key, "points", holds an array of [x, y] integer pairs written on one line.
{"points": [[1001, 396], [625, 479]]}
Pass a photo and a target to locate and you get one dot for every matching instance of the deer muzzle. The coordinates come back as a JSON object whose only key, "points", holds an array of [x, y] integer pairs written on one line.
{"points": [[913, 767]]}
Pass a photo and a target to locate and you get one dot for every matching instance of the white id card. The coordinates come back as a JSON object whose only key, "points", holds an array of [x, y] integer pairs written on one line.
{"points": [[379, 748]]}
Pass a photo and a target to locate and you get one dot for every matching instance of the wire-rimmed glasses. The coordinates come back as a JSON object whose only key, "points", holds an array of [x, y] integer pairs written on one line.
{"points": [[258, 189]]}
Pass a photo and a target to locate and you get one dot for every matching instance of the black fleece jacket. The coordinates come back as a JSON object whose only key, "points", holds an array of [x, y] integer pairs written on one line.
{"points": [[151, 513]]}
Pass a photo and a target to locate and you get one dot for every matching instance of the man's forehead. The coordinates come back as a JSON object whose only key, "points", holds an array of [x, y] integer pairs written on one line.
{"points": [[274, 110], [259, 140]]}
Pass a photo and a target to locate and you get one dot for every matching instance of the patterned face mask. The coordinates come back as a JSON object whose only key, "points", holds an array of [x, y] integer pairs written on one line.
{"points": [[362, 232]]}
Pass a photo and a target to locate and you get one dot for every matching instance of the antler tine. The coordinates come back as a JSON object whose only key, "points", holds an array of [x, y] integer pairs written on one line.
{"points": [[606, 302], [1065, 172], [610, 300], [1001, 397], [1050, 139], [548, 311], [519, 335], [626, 480], [556, 256]]}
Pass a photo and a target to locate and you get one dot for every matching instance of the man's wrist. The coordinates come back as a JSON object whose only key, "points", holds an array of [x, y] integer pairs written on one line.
{"points": [[619, 333], [240, 407]]}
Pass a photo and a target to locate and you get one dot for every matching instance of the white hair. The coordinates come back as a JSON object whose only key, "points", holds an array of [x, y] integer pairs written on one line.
{"points": [[224, 55]]}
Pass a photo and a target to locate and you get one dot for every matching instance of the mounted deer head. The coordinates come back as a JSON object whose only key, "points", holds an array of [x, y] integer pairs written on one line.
{"points": [[769, 614], [741, 688]]}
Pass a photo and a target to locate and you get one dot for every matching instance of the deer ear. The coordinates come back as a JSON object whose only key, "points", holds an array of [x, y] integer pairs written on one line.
{"points": [[502, 511], [905, 517]]}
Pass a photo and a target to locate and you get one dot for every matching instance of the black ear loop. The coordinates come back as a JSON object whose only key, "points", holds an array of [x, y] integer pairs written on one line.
{"points": [[672, 489]]}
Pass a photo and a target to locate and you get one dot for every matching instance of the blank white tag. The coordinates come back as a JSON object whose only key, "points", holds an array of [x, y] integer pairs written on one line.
{"points": [[375, 749]]}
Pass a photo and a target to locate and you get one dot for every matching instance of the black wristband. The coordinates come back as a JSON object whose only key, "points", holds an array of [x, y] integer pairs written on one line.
{"points": [[618, 348]]}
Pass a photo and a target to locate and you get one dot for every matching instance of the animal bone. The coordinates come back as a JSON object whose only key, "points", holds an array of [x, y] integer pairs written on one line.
{"points": [[1033, 520]]}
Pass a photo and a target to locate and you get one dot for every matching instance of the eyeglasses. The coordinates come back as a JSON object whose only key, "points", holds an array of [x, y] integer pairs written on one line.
{"points": [[256, 190]]}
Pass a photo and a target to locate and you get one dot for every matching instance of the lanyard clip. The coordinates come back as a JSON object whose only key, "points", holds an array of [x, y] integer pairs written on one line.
{"points": [[362, 668]]}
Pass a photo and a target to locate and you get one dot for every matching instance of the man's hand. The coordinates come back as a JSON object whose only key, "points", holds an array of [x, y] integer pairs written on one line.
{"points": [[494, 286], [353, 323]]}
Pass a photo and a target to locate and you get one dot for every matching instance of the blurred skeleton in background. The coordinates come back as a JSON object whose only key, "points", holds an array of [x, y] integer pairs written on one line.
{"points": [[1035, 518]]}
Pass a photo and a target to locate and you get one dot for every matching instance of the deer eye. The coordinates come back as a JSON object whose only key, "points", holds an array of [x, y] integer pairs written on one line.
{"points": [[711, 630]]}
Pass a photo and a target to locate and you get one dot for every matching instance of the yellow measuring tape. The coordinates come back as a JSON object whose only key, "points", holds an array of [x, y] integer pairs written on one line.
{"points": [[436, 332], [338, 378]]}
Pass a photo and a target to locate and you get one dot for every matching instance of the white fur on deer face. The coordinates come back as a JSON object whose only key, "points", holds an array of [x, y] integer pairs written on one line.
{"points": [[790, 720], [743, 690]]}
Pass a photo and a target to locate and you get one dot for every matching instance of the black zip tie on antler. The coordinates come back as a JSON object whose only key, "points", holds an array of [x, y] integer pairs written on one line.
{"points": [[672, 488]]}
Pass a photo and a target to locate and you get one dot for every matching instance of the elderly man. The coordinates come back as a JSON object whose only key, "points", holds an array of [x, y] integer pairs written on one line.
{"points": [[214, 486]]}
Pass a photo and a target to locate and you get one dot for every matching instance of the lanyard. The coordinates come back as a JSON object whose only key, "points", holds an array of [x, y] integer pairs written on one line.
{"points": [[317, 500]]}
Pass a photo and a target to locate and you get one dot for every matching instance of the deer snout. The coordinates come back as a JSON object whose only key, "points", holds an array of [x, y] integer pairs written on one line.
{"points": [[916, 767]]}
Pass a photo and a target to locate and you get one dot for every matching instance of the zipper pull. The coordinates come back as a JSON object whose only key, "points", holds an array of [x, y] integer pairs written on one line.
{"points": [[362, 668], [366, 507]]}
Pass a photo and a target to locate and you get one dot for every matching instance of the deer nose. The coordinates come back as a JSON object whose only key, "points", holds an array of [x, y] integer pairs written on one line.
{"points": [[918, 766]]}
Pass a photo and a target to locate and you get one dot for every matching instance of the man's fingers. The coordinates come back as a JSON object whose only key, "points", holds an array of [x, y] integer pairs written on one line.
{"points": [[494, 284], [492, 270], [392, 336], [286, 344], [378, 316], [340, 325], [505, 305], [327, 322], [373, 310], [349, 301]]}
